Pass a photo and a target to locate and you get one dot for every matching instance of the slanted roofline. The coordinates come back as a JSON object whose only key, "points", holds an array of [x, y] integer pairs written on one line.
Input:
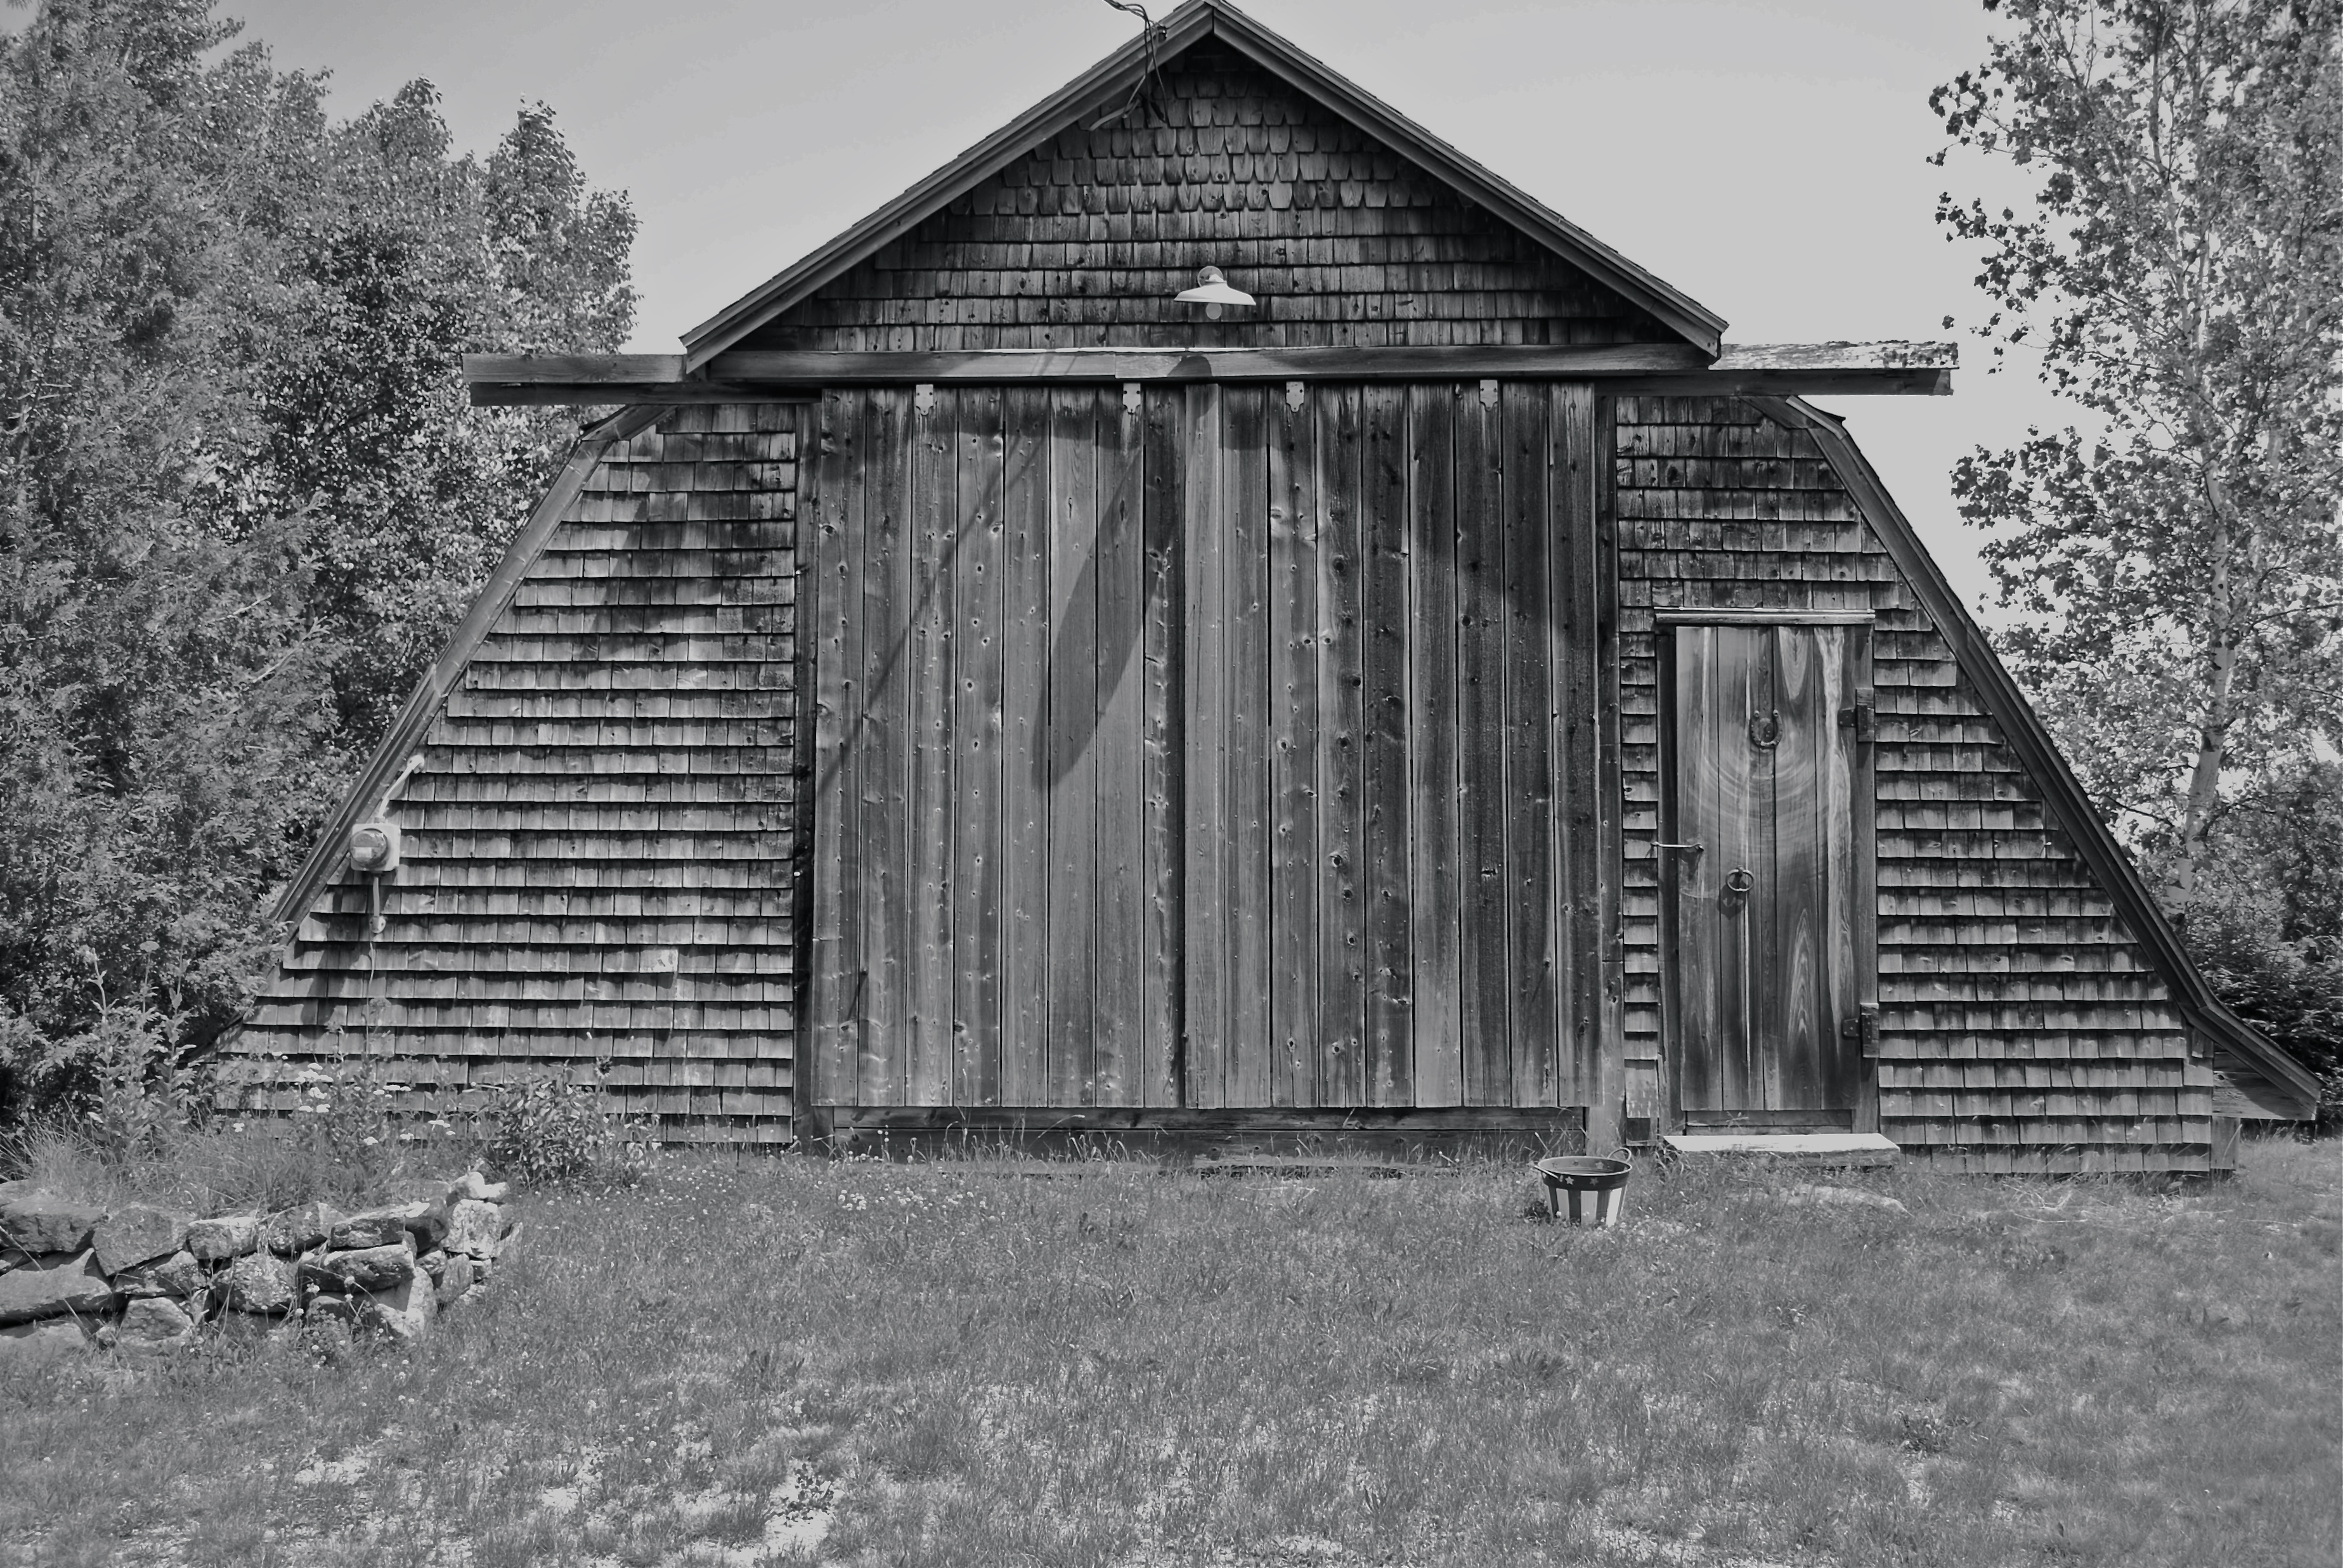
{"points": [[1113, 77], [2029, 739]]}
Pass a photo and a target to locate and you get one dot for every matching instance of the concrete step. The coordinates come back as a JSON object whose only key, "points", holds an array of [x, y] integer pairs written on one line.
{"points": [[1837, 1151]]}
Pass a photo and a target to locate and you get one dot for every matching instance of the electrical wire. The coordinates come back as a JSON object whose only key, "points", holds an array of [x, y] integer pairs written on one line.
{"points": [[1151, 31]]}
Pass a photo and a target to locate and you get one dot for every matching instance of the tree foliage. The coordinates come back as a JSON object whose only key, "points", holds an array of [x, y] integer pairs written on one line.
{"points": [[242, 498], [2177, 561]]}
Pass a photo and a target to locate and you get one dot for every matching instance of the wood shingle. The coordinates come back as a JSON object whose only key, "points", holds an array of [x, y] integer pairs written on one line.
{"points": [[599, 842]]}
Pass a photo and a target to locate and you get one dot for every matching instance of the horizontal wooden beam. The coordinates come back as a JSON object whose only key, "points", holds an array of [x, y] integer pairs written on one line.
{"points": [[495, 395], [584, 369], [1884, 355], [1764, 618], [1309, 364], [1789, 384], [1665, 368], [1135, 1119]]}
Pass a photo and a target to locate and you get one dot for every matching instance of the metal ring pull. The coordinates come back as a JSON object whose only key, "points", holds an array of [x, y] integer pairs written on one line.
{"points": [[1737, 884], [1766, 729]]}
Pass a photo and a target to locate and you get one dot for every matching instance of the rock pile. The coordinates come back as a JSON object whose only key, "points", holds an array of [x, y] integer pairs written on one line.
{"points": [[144, 1280]]}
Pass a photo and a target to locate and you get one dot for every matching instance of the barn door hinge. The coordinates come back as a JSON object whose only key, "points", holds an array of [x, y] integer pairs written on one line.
{"points": [[1862, 717], [1863, 1026]]}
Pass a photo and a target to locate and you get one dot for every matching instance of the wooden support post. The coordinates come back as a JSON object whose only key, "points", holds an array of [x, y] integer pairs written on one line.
{"points": [[1584, 524]]}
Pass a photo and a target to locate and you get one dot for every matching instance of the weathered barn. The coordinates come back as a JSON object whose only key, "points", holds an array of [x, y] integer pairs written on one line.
{"points": [[972, 687]]}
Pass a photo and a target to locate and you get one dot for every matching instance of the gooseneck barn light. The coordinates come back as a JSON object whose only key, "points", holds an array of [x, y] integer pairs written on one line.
{"points": [[1214, 293]]}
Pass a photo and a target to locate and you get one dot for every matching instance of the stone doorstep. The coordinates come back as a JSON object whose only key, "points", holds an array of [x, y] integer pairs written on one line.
{"points": [[1840, 1151]]}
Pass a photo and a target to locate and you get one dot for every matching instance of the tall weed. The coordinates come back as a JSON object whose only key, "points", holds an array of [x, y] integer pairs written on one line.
{"points": [[544, 1131]]}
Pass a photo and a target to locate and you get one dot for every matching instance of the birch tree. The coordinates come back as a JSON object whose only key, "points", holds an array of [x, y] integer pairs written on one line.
{"points": [[2176, 557]]}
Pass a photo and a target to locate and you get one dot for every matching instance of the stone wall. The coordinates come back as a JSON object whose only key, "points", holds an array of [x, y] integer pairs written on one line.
{"points": [[144, 1280]]}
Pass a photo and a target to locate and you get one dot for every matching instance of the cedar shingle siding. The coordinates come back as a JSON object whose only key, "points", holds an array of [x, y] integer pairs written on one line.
{"points": [[612, 778], [2021, 1027], [1086, 240]]}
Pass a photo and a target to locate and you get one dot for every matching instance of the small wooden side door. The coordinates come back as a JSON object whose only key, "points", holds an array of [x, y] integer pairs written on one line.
{"points": [[1769, 921]]}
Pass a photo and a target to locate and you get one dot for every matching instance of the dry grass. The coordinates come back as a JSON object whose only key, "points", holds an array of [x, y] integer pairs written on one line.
{"points": [[963, 1364], [229, 1168]]}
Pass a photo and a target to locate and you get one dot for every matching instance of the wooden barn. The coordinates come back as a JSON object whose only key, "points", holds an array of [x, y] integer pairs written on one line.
{"points": [[1414, 681]]}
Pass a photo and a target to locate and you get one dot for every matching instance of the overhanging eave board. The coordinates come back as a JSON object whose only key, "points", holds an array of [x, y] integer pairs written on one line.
{"points": [[1676, 369]]}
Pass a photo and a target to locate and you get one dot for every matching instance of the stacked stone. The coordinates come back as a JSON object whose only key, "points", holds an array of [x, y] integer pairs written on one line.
{"points": [[142, 1280]]}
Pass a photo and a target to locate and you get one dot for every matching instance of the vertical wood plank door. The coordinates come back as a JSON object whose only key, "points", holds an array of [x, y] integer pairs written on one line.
{"points": [[997, 846], [1211, 746], [1767, 934], [1380, 634]]}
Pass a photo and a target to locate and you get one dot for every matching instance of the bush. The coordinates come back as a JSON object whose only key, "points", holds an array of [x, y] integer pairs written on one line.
{"points": [[243, 497], [2266, 925], [545, 1132]]}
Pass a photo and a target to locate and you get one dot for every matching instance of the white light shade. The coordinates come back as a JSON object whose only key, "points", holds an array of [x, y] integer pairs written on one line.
{"points": [[1213, 289]]}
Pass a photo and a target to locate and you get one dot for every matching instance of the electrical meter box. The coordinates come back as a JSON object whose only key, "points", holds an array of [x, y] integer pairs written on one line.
{"points": [[373, 847]]}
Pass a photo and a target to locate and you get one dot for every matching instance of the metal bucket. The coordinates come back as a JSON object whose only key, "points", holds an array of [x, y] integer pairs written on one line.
{"points": [[1594, 1188]]}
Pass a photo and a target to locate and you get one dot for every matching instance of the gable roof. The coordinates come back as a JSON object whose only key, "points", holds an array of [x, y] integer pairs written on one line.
{"points": [[2025, 733], [1114, 77]]}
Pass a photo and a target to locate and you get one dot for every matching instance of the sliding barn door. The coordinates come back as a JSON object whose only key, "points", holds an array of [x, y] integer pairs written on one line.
{"points": [[995, 863], [1769, 878], [1209, 746], [1378, 689]]}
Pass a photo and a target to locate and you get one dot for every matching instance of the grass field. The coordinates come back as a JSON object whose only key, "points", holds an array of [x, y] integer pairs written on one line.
{"points": [[958, 1363]]}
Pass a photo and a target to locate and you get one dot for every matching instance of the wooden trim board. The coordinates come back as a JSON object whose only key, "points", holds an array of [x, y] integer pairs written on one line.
{"points": [[1764, 618], [763, 376], [1231, 1119]]}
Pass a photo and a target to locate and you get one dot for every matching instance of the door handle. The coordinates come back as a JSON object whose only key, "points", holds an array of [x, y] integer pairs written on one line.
{"points": [[1737, 883]]}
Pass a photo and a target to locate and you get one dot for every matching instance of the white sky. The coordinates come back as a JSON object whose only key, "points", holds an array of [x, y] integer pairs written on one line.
{"points": [[1766, 158]]}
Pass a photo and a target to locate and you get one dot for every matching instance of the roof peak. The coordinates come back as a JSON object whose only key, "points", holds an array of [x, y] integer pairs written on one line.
{"points": [[1182, 30]]}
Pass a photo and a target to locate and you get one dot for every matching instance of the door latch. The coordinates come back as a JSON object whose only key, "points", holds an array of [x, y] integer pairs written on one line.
{"points": [[1737, 884]]}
